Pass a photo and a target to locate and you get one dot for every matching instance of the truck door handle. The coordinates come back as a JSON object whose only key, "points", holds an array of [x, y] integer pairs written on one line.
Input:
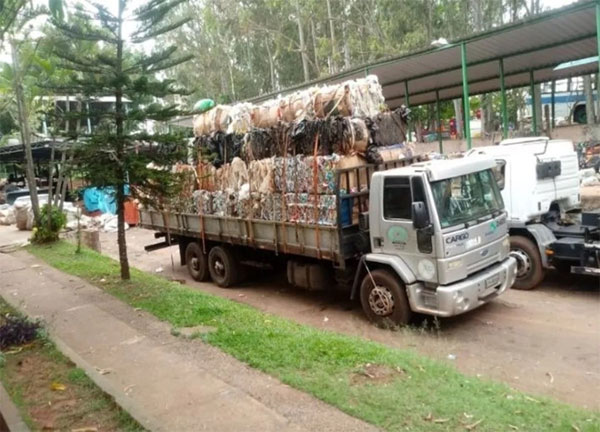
{"points": [[377, 241]]}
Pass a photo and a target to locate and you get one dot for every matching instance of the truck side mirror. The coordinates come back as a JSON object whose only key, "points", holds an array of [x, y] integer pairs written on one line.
{"points": [[420, 217]]}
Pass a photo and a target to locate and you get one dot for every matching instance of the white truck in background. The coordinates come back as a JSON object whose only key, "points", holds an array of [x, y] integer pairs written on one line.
{"points": [[539, 180]]}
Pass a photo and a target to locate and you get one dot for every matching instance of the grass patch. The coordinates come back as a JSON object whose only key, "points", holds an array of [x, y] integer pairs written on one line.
{"points": [[29, 373], [395, 390]]}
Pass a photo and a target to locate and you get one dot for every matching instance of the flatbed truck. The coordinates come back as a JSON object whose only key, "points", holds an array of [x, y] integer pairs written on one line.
{"points": [[419, 237]]}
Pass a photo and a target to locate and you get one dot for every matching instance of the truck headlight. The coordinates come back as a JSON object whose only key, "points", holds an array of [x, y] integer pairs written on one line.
{"points": [[506, 245], [426, 269]]}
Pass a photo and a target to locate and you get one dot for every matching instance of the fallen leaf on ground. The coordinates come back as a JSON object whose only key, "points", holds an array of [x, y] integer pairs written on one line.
{"points": [[532, 399], [56, 386], [549, 375], [427, 417], [575, 428], [103, 371], [473, 425], [441, 420], [513, 427]]}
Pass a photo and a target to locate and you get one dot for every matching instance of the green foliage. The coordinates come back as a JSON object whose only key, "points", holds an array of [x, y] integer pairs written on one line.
{"points": [[329, 365], [52, 220], [242, 49]]}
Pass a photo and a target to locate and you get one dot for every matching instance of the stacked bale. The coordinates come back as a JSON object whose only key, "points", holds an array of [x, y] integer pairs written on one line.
{"points": [[277, 160]]}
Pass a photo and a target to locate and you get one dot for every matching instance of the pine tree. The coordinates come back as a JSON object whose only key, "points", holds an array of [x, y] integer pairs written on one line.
{"points": [[123, 150]]}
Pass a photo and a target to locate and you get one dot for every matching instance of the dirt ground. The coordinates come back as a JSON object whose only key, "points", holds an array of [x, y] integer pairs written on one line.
{"points": [[545, 342]]}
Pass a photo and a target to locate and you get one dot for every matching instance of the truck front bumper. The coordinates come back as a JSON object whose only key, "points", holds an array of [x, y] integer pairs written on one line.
{"points": [[463, 296]]}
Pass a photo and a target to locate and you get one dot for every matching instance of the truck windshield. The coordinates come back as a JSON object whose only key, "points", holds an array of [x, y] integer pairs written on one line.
{"points": [[466, 198]]}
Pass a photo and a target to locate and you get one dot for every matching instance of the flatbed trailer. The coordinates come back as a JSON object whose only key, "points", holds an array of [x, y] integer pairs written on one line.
{"points": [[341, 244]]}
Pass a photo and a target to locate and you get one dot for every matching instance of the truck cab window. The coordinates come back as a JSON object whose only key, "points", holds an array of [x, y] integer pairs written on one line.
{"points": [[499, 172], [397, 198]]}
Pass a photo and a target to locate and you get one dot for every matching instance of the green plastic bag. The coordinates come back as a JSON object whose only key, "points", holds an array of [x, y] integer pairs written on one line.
{"points": [[204, 105]]}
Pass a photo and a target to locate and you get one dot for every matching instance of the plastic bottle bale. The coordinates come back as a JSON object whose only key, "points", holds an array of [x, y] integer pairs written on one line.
{"points": [[241, 121], [219, 203], [238, 174], [266, 115]]}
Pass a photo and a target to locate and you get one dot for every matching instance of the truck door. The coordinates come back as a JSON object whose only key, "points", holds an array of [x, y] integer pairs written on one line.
{"points": [[398, 236]]}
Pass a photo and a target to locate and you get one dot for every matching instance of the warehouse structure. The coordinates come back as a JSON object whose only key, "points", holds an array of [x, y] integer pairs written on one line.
{"points": [[559, 44]]}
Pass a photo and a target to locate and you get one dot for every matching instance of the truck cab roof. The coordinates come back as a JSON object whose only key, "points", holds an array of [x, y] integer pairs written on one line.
{"points": [[443, 168], [519, 147]]}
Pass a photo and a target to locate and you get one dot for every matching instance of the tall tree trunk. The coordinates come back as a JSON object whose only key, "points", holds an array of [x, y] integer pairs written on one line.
{"points": [[347, 62], [589, 99], [429, 5], [274, 86], [313, 34], [332, 36], [458, 116], [119, 111], [303, 53], [25, 133]]}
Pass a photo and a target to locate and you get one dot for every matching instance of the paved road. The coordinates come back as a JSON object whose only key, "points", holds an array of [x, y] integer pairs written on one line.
{"points": [[546, 341], [164, 382]]}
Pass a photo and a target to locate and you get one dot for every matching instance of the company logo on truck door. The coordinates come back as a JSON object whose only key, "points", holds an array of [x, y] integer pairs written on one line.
{"points": [[457, 237]]}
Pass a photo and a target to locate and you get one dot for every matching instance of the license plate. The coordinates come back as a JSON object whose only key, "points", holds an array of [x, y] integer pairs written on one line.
{"points": [[493, 281]]}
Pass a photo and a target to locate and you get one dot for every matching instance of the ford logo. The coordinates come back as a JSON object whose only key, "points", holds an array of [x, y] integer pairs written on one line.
{"points": [[484, 252]]}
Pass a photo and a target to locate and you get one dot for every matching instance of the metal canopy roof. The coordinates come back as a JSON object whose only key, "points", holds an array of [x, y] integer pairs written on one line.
{"points": [[538, 44]]}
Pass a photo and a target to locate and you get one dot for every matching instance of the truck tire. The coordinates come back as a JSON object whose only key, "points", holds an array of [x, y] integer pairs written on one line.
{"points": [[197, 262], [385, 303], [225, 270], [529, 263]]}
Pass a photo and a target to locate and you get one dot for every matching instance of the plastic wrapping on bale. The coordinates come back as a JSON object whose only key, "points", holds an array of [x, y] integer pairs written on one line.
{"points": [[265, 115], [220, 147], [216, 119], [241, 118], [358, 98], [388, 128]]}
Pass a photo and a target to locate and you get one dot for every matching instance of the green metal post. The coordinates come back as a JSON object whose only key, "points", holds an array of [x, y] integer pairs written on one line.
{"points": [[598, 46], [407, 100], [533, 103], [598, 30], [503, 101], [465, 83], [552, 102], [438, 112]]}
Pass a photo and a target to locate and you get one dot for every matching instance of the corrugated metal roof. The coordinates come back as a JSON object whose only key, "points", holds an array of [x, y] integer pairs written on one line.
{"points": [[538, 44]]}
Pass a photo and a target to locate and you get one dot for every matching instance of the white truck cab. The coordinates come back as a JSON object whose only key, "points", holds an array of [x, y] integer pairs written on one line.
{"points": [[441, 226], [539, 180]]}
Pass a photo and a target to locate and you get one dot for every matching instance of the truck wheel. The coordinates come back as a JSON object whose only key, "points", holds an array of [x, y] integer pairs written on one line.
{"points": [[223, 266], [529, 263], [197, 262], [385, 303]]}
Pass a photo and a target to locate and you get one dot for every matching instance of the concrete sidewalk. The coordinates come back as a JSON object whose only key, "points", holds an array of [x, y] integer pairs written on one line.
{"points": [[165, 382]]}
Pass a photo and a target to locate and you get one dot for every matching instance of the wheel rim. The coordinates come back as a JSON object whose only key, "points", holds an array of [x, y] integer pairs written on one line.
{"points": [[523, 262], [195, 263], [219, 267], [381, 301]]}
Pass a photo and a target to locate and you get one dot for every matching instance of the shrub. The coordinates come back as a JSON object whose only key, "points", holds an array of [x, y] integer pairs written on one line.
{"points": [[52, 220], [17, 331]]}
